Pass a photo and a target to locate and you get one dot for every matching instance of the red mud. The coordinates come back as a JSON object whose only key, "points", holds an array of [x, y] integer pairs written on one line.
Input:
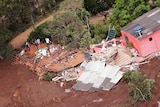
{"points": [[20, 88]]}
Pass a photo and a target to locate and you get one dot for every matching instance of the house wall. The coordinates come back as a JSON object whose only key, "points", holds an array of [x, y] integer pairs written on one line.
{"points": [[157, 39], [150, 43], [133, 40]]}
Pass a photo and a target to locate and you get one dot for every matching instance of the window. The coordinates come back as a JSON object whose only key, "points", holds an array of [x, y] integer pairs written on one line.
{"points": [[150, 39]]}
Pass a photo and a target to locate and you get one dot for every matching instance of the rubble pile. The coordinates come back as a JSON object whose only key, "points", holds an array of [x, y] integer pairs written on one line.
{"points": [[101, 67], [57, 61]]}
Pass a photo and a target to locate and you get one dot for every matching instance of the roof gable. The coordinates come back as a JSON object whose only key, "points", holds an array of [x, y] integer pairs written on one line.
{"points": [[149, 21]]}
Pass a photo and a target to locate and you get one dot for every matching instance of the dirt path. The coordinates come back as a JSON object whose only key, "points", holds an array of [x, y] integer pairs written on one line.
{"points": [[20, 39], [96, 19]]}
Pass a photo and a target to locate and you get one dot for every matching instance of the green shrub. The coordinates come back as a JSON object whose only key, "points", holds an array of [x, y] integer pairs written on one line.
{"points": [[39, 33], [82, 14], [157, 3], [130, 44], [98, 32], [47, 76], [96, 6], [6, 51], [140, 87], [126, 76], [136, 77]]}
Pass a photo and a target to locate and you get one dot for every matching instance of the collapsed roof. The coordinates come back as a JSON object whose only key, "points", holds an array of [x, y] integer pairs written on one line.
{"points": [[97, 75]]}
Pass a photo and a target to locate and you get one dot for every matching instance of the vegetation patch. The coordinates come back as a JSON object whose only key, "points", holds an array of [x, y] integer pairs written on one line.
{"points": [[47, 76], [140, 86], [96, 6], [39, 32], [126, 11]]}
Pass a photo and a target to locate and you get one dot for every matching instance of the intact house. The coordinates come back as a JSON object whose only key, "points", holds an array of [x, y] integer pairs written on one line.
{"points": [[144, 33]]}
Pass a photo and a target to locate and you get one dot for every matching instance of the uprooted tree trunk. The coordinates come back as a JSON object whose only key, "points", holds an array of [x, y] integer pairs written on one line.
{"points": [[143, 96]]}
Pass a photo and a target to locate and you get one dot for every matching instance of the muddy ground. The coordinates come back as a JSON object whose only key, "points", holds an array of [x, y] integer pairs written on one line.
{"points": [[20, 87]]}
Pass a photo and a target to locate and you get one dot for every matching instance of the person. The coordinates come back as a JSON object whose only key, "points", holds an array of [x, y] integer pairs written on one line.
{"points": [[51, 47], [48, 44], [87, 56], [105, 15], [47, 41], [27, 45], [36, 44]]}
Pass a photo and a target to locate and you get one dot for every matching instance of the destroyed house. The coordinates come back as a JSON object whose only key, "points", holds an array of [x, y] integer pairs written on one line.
{"points": [[143, 33]]}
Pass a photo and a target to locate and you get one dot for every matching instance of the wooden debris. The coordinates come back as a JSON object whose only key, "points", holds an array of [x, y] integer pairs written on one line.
{"points": [[57, 99]]}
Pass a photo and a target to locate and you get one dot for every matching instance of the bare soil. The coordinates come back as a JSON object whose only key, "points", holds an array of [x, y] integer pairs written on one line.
{"points": [[20, 87], [97, 19]]}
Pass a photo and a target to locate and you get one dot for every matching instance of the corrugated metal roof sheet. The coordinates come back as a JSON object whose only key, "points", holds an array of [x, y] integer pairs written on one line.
{"points": [[122, 58], [86, 87], [105, 78], [90, 78], [89, 66], [116, 78], [83, 76], [98, 82], [95, 66], [75, 86], [108, 86], [149, 22], [105, 82], [104, 72], [112, 71]]}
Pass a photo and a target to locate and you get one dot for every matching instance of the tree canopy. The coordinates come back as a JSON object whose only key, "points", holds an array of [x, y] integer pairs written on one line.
{"points": [[48, 5], [67, 29], [96, 6], [39, 32], [140, 88], [126, 11], [157, 3], [68, 26], [16, 16]]}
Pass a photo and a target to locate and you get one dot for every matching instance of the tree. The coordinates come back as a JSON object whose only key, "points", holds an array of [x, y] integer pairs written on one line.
{"points": [[86, 39], [140, 87], [48, 5], [16, 14], [17, 11], [96, 6], [91, 6], [126, 11], [100, 32], [71, 5], [83, 14], [157, 3], [39, 32], [67, 29], [6, 50]]}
